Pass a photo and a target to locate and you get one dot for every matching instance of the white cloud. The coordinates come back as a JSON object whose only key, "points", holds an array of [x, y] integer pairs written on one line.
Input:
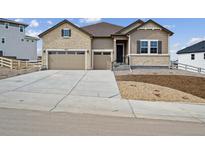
{"points": [[33, 33], [90, 20], [195, 40], [34, 23], [174, 48], [169, 26], [18, 20], [49, 22]]}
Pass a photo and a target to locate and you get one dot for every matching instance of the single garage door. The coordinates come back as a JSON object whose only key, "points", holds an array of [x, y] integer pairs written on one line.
{"points": [[66, 60], [102, 60]]}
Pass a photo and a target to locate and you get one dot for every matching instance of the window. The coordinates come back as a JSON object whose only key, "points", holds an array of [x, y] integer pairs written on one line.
{"points": [[144, 47], [66, 33], [61, 52], [21, 29], [97, 53], [27, 40], [71, 52], [6, 25], [106, 53], [22, 40], [192, 56], [81, 53], [52, 52], [3, 40], [153, 46], [204, 55]]}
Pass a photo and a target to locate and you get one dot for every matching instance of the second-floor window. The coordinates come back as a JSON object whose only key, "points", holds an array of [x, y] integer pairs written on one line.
{"points": [[66, 33], [21, 28], [192, 56], [3, 40], [6, 25]]}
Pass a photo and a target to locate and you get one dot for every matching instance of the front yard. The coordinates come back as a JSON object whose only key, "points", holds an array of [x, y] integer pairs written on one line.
{"points": [[178, 88]]}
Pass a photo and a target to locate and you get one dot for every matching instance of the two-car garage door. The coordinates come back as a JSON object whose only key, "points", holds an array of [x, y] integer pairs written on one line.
{"points": [[66, 60]]}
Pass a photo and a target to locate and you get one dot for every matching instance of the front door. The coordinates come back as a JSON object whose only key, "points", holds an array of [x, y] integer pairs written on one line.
{"points": [[120, 48]]}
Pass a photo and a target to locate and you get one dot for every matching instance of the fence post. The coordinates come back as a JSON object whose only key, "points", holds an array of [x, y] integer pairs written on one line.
{"points": [[11, 62], [1, 63], [19, 64], [26, 64]]}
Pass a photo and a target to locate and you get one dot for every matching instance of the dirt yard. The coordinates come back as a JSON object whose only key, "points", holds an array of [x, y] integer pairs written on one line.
{"points": [[162, 87], [6, 72]]}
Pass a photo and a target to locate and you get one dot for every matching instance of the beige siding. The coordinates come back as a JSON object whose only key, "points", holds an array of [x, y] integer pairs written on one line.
{"points": [[102, 43], [78, 40], [149, 60], [149, 34]]}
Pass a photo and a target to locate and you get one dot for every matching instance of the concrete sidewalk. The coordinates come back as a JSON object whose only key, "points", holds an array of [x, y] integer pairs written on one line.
{"points": [[132, 108]]}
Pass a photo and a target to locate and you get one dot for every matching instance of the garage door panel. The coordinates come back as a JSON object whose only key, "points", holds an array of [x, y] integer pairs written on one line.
{"points": [[102, 61], [64, 61]]}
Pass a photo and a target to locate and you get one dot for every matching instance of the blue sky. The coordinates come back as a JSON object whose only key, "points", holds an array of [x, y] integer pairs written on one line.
{"points": [[187, 31]]}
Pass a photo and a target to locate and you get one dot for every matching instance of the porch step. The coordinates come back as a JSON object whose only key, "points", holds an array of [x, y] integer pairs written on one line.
{"points": [[121, 67]]}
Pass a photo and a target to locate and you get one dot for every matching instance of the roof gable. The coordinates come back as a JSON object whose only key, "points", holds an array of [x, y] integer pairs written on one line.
{"points": [[198, 47], [130, 27], [102, 29], [61, 23], [150, 24]]}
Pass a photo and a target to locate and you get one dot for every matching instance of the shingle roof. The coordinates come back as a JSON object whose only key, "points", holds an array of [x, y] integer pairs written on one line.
{"points": [[102, 29], [198, 47], [130, 25], [13, 22]]}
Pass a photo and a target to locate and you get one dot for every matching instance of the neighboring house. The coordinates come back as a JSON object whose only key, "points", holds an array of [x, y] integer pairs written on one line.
{"points": [[97, 46], [193, 55], [14, 42]]}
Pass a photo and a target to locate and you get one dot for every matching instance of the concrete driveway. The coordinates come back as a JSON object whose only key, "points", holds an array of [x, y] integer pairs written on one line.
{"points": [[45, 89]]}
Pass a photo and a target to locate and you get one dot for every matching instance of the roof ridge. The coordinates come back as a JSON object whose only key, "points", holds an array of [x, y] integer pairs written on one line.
{"points": [[101, 23], [12, 21]]}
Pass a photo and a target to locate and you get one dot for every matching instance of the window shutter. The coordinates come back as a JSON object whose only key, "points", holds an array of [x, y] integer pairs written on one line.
{"points": [[159, 47], [62, 32], [138, 47], [69, 32]]}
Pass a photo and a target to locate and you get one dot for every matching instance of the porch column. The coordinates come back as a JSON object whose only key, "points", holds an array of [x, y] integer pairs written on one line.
{"points": [[114, 51], [129, 52], [46, 59]]}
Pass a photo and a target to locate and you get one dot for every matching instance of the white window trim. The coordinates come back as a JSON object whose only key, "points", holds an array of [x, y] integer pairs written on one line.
{"points": [[66, 36], [149, 47]]}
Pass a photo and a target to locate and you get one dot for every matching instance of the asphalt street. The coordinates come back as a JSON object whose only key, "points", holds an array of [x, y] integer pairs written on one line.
{"points": [[27, 122]]}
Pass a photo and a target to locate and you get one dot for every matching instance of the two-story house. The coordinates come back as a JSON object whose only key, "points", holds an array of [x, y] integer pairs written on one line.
{"points": [[15, 43]]}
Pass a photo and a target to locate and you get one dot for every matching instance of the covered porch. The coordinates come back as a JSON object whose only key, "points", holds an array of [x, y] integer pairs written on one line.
{"points": [[120, 49]]}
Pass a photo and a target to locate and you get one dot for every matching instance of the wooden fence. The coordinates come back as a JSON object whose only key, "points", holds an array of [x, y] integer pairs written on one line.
{"points": [[176, 65], [18, 64]]}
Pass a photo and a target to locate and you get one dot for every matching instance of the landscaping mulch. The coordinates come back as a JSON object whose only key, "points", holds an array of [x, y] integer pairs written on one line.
{"points": [[188, 84]]}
